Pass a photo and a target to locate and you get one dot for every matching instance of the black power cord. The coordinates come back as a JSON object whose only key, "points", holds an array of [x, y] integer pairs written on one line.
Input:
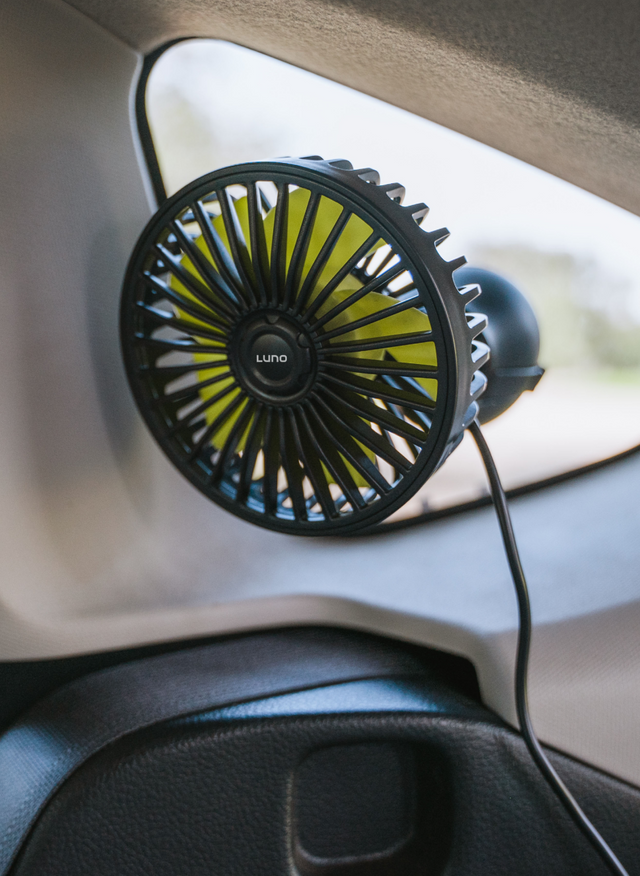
{"points": [[522, 662]]}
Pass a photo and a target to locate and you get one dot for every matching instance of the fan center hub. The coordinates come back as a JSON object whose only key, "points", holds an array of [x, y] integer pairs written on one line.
{"points": [[273, 357]]}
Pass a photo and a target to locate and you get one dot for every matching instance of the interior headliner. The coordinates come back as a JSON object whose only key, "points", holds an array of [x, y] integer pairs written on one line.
{"points": [[552, 83]]}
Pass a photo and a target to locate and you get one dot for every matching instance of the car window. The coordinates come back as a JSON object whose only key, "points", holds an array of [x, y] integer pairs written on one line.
{"points": [[211, 104]]}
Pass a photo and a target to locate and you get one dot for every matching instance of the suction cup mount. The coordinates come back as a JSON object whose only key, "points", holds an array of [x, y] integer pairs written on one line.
{"points": [[513, 336]]}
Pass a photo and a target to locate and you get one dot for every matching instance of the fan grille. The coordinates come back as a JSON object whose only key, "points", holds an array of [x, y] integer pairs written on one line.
{"points": [[267, 255]]}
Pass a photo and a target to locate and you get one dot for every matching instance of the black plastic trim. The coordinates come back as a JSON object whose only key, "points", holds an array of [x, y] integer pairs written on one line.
{"points": [[25, 682]]}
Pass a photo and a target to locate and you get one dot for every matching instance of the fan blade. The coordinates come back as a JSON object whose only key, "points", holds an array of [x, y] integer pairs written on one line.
{"points": [[380, 366], [231, 442], [298, 257], [204, 267], [377, 316], [189, 420], [171, 372], [191, 392], [192, 284], [216, 425], [365, 408], [366, 435], [204, 313], [339, 276], [377, 282], [380, 343], [182, 346], [333, 461], [351, 450], [291, 465], [175, 322], [279, 244], [312, 466], [250, 454], [320, 261], [219, 254], [271, 463], [367, 387], [257, 240]]}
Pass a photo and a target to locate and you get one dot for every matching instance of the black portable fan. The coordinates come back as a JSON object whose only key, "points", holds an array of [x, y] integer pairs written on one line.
{"points": [[298, 346]]}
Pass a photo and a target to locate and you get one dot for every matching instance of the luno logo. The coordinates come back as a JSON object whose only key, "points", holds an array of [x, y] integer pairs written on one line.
{"points": [[272, 358]]}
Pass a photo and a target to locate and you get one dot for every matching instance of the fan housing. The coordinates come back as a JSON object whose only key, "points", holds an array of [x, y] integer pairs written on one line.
{"points": [[297, 345]]}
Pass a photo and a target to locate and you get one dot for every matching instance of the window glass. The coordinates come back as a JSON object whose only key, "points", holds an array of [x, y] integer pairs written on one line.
{"points": [[212, 103]]}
